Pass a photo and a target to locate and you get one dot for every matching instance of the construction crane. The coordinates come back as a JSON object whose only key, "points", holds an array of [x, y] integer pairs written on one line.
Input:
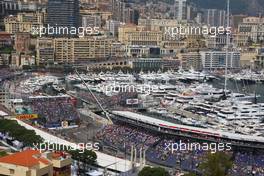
{"points": [[97, 101]]}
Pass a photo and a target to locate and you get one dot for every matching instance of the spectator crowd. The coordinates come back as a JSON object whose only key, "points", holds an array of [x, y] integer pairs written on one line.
{"points": [[123, 137]]}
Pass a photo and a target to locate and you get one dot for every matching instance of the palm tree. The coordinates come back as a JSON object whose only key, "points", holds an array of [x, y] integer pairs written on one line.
{"points": [[86, 158], [216, 164], [155, 171]]}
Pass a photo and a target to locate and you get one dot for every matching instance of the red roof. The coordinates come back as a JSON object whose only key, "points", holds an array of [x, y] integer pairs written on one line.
{"points": [[27, 158], [4, 33]]}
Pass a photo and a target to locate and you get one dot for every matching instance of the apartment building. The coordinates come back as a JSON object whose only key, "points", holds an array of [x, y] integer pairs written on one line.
{"points": [[136, 35], [247, 58], [5, 39], [253, 27], [34, 163], [104, 15], [191, 60], [112, 26], [259, 59], [64, 13], [22, 41], [44, 51], [180, 9], [81, 50], [217, 60], [217, 42], [23, 22], [93, 20], [214, 17], [157, 24], [241, 39], [77, 50]]}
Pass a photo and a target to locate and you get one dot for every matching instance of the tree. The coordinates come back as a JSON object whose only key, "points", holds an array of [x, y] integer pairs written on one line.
{"points": [[155, 171], [6, 50], [3, 153], [20, 133], [190, 174], [216, 164], [84, 158]]}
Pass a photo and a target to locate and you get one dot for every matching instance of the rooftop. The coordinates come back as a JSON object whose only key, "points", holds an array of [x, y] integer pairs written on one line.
{"points": [[27, 158]]}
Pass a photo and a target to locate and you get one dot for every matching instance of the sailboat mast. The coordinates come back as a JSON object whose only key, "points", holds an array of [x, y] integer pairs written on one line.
{"points": [[227, 43]]}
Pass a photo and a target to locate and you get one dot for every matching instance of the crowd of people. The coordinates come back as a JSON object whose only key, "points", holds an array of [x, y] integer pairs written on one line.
{"points": [[53, 111], [248, 164], [123, 137], [163, 154]]}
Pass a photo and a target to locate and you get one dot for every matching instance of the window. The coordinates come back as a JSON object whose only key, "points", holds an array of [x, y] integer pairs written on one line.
{"points": [[11, 171], [45, 175]]}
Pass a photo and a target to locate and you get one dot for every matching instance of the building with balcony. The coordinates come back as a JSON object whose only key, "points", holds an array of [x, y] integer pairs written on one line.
{"points": [[259, 60], [180, 7], [253, 27], [81, 50], [191, 60], [22, 42], [5, 39], [34, 163], [63, 13], [212, 60], [135, 35], [24, 22], [44, 51]]}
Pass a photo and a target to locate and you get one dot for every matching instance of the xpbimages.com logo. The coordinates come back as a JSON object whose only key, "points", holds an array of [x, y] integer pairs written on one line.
{"points": [[210, 147], [60, 30], [196, 30], [50, 146], [119, 88]]}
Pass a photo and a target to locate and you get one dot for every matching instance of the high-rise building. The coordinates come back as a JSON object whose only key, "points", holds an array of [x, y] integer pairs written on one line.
{"points": [[2, 9], [217, 42], [44, 51], [112, 26], [214, 17], [22, 42], [180, 12], [191, 60], [118, 9], [123, 12], [91, 21], [63, 13], [10, 7], [217, 60]]}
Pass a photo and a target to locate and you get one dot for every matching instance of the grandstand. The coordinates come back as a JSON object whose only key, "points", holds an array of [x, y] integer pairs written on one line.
{"points": [[54, 110], [110, 136], [103, 160], [123, 136], [164, 126]]}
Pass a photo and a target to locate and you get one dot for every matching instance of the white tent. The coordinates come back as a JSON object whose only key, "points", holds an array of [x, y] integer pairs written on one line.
{"points": [[3, 114], [94, 173]]}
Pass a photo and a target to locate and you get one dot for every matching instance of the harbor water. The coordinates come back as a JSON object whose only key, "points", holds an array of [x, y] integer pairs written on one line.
{"points": [[241, 87]]}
